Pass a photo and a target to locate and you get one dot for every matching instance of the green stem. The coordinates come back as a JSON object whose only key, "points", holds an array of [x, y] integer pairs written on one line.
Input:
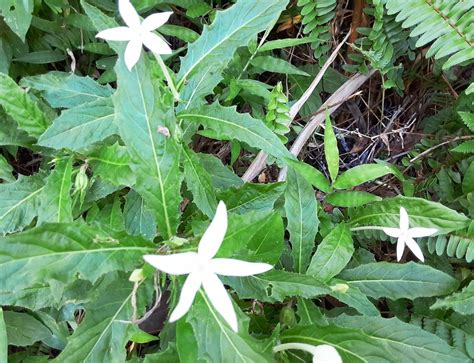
{"points": [[169, 80]]}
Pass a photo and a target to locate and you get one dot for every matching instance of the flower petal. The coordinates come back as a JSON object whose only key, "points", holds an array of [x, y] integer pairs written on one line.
{"points": [[326, 354], [118, 33], [188, 292], [404, 221], [154, 21], [156, 44], [214, 235], [232, 267], [413, 246], [128, 13], [132, 53], [400, 248], [421, 232], [221, 301], [177, 264], [392, 232]]}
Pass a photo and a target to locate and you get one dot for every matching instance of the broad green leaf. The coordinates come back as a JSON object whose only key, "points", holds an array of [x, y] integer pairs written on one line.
{"points": [[138, 219], [199, 183], [111, 163], [17, 15], [311, 174], [20, 201], [6, 170], [23, 329], [65, 251], [221, 176], [422, 213], [208, 56], [402, 341], [216, 341], [352, 297], [56, 201], [81, 126], [276, 286], [168, 355], [396, 281], [284, 43], [360, 175], [252, 197], [301, 210], [11, 134], [155, 157], [309, 313], [331, 150], [468, 180], [276, 65], [351, 198], [462, 302], [186, 343], [229, 125], [66, 90], [3, 338], [106, 328], [21, 108], [332, 254]]}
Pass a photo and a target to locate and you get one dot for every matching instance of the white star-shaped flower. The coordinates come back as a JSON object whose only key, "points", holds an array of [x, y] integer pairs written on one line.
{"points": [[203, 270], [405, 235], [137, 33], [321, 354]]}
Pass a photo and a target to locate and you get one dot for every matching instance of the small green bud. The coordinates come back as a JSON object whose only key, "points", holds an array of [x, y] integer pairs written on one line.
{"points": [[287, 316], [136, 275]]}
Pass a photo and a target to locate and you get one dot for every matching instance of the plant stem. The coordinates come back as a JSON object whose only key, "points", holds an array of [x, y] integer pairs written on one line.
{"points": [[169, 80]]}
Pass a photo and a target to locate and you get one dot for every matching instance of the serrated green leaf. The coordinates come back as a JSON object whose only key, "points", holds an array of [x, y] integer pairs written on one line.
{"points": [[155, 157], [138, 219], [21, 108], [462, 302], [66, 90], [6, 170], [65, 251], [208, 56], [276, 65], [422, 213], [221, 176], [331, 150], [229, 125], [351, 199], [3, 338], [301, 210], [199, 183], [395, 281], [360, 174], [466, 147], [81, 126], [20, 201], [111, 215], [332, 254], [112, 163], [468, 119], [23, 329], [56, 201], [252, 197]]}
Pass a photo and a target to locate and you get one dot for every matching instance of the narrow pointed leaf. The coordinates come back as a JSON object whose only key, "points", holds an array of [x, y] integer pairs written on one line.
{"points": [[3, 338], [331, 150]]}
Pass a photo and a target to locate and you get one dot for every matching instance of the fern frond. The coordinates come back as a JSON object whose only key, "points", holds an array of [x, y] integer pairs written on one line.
{"points": [[316, 16], [278, 118], [447, 23], [459, 244]]}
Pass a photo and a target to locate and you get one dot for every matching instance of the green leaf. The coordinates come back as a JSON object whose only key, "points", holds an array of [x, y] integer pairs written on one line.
{"points": [[333, 253], [468, 180], [422, 213], [81, 126], [252, 197], [199, 183], [468, 119], [229, 125], [66, 90], [353, 297], [276, 286], [20, 201], [20, 107], [65, 251], [311, 174], [56, 201], [221, 176], [10, 134], [351, 199], [276, 65], [331, 150], [17, 15], [180, 32], [106, 328], [3, 338], [216, 341], [208, 56], [285, 43], [138, 219], [360, 174], [395, 281], [41, 57], [155, 157], [23, 329], [462, 302], [112, 163], [466, 147], [6, 170], [301, 210]]}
